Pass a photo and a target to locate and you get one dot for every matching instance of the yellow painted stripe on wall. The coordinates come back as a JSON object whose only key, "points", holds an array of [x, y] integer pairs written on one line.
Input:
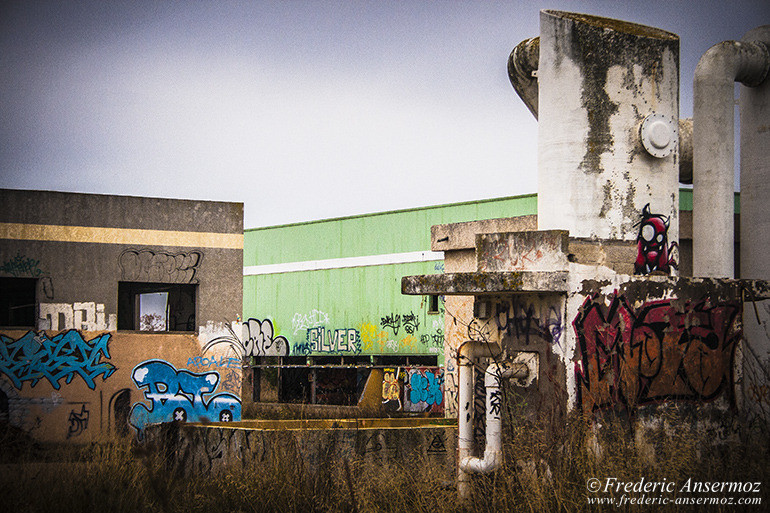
{"points": [[129, 236]]}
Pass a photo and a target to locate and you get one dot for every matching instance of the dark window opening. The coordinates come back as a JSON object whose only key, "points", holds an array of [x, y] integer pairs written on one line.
{"points": [[407, 361], [156, 306], [433, 303], [17, 302], [121, 408]]}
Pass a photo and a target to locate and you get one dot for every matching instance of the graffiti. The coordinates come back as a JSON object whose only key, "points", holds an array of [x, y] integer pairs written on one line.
{"points": [[433, 340], [257, 340], [18, 412], [312, 319], [223, 362], [391, 390], [47, 287], [437, 445], [495, 400], [378, 341], [21, 266], [87, 316], [426, 390], [232, 382], [35, 356], [479, 406], [78, 422], [374, 443], [439, 266], [391, 321], [411, 322], [653, 250], [450, 389], [501, 253], [179, 395], [157, 266], [322, 340], [629, 356], [522, 320]]}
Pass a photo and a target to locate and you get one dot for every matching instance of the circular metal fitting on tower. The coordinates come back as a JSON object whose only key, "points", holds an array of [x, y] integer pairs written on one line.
{"points": [[659, 135]]}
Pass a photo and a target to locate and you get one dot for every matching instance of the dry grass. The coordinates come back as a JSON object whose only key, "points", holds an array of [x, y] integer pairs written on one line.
{"points": [[544, 470]]}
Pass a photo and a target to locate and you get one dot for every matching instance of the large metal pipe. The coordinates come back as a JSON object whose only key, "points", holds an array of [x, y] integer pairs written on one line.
{"points": [[598, 80], [713, 150], [522, 72], [755, 172], [466, 354], [493, 450]]}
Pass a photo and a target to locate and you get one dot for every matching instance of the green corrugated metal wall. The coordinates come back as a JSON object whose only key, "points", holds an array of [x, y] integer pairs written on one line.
{"points": [[361, 304]]}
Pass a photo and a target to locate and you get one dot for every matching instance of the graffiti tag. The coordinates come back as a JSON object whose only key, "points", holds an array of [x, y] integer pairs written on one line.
{"points": [[22, 266], [179, 395], [629, 356], [35, 356]]}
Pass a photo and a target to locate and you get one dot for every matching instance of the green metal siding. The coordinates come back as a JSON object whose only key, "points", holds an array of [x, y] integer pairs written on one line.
{"points": [[365, 299], [364, 304], [685, 200], [371, 234]]}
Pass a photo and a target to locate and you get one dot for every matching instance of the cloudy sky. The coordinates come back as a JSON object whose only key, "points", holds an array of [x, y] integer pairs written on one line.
{"points": [[300, 109]]}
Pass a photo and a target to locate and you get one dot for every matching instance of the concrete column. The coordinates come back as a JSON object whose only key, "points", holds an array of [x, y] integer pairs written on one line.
{"points": [[598, 79], [755, 172]]}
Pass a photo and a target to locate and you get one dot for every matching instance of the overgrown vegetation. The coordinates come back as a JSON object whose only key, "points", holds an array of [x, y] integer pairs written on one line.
{"points": [[544, 470]]}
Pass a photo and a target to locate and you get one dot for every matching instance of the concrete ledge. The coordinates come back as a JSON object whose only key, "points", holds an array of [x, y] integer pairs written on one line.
{"points": [[468, 284], [455, 236]]}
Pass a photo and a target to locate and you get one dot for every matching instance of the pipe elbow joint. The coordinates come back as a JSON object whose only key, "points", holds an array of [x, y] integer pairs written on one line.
{"points": [[486, 465]]}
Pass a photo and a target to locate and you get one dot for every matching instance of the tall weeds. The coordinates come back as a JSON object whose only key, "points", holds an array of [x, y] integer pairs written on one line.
{"points": [[543, 470]]}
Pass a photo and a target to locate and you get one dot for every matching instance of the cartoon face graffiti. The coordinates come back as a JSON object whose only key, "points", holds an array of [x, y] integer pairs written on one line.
{"points": [[653, 251]]}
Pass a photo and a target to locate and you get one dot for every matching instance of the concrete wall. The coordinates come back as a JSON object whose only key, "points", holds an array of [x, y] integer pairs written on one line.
{"points": [[71, 374], [607, 341], [206, 450]]}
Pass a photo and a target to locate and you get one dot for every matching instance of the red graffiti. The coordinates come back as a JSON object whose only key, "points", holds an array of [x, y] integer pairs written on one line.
{"points": [[629, 357], [653, 250]]}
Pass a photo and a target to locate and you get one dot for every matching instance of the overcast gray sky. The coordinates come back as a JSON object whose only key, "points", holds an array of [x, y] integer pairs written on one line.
{"points": [[302, 110]]}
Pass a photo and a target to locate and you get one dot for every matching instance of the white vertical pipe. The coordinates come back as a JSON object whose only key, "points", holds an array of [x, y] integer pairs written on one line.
{"points": [[713, 151], [467, 352], [493, 451]]}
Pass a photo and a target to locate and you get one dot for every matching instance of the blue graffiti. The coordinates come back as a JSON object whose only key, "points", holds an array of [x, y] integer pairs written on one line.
{"points": [[179, 395], [425, 388], [35, 356], [200, 361]]}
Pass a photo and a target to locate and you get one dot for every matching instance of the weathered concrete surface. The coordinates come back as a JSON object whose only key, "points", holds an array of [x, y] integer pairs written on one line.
{"points": [[465, 284], [449, 237], [522, 251], [598, 79], [205, 449]]}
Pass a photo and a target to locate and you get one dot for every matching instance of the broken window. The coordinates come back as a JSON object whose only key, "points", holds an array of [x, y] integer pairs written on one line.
{"points": [[17, 302], [156, 306]]}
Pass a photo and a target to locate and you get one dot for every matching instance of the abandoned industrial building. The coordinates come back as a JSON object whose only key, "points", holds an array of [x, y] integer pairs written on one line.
{"points": [[107, 300], [615, 287]]}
